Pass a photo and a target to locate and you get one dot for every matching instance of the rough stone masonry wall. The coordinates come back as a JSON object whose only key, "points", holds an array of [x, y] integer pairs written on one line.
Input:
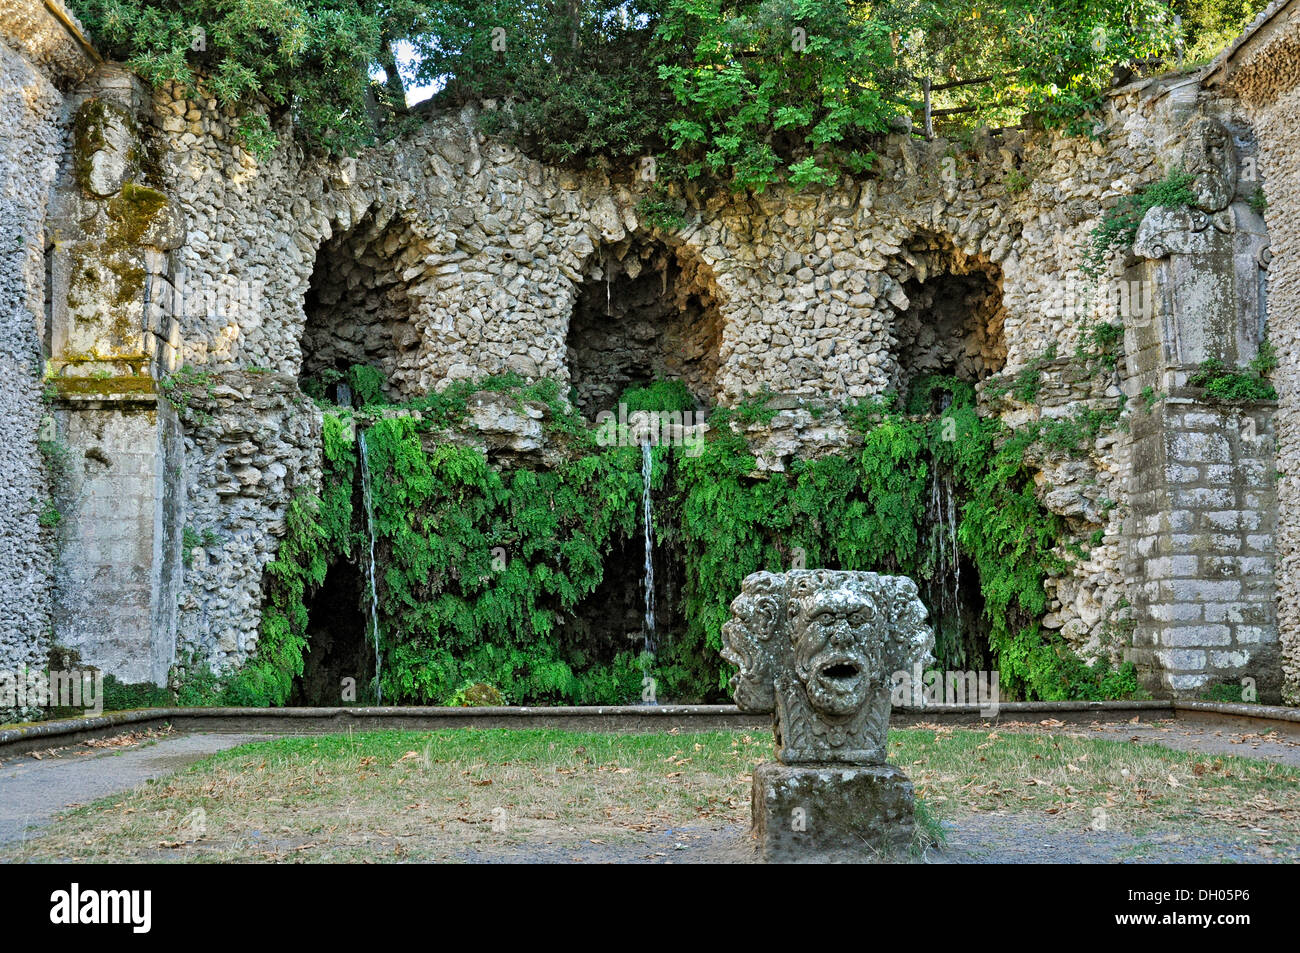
{"points": [[1268, 84], [37, 58], [252, 441], [476, 256]]}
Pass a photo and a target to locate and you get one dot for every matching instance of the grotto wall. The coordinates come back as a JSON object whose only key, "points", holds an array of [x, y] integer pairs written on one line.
{"points": [[475, 259], [1262, 72], [446, 256], [40, 58]]}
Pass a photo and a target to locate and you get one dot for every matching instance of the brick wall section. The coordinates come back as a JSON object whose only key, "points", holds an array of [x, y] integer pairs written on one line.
{"points": [[1201, 547]]}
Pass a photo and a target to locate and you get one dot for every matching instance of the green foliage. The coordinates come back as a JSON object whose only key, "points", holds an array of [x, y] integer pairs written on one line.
{"points": [[1023, 386], [1265, 359], [367, 384], [930, 393], [480, 569], [183, 387], [49, 517], [1229, 692], [191, 540], [308, 57], [1210, 25], [256, 135], [1100, 343], [573, 81], [478, 565], [774, 89], [196, 684], [659, 395], [866, 513], [57, 459], [1258, 200], [1118, 227], [1227, 386], [1016, 181], [319, 530], [126, 696], [745, 92], [661, 213]]}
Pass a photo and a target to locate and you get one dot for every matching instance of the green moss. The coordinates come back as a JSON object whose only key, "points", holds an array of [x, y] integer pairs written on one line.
{"points": [[103, 387], [131, 213]]}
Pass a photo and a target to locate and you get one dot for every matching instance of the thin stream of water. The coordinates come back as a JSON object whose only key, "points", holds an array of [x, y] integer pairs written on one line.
{"points": [[370, 565], [647, 464], [343, 396]]}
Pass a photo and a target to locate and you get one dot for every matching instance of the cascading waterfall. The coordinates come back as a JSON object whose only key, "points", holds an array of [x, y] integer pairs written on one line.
{"points": [[647, 465], [370, 565], [944, 583], [343, 397]]}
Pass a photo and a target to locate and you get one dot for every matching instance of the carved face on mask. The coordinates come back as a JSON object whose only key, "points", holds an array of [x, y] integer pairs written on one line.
{"points": [[817, 647], [836, 648], [1211, 159]]}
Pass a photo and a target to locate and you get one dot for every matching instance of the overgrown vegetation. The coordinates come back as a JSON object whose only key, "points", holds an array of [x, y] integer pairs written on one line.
{"points": [[184, 387], [307, 57], [740, 92], [1225, 385], [1118, 228], [478, 567]]}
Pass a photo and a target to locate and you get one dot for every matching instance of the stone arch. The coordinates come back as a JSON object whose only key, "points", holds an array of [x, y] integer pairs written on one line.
{"points": [[952, 322], [362, 299], [645, 310]]}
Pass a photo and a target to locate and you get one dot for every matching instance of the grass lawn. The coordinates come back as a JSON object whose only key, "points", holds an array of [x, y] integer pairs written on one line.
{"points": [[454, 794]]}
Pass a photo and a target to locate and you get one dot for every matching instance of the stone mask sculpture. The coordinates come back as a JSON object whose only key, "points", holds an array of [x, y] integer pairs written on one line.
{"points": [[1211, 159], [817, 647]]}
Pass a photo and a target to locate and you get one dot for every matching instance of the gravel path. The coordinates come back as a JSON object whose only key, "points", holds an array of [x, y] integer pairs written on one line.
{"points": [[33, 790], [972, 839]]}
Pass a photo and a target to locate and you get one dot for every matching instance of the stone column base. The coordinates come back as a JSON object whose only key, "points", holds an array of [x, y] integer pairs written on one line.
{"points": [[831, 812]]}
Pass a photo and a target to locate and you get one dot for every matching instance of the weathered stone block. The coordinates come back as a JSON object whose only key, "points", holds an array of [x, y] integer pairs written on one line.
{"points": [[1197, 636], [821, 813]]}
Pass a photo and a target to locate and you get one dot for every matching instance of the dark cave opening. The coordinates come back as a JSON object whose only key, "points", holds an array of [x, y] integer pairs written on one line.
{"points": [[953, 324], [644, 313], [338, 646], [612, 619], [357, 306]]}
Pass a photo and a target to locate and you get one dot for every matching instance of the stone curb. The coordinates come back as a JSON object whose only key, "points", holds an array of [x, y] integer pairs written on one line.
{"points": [[68, 731]]}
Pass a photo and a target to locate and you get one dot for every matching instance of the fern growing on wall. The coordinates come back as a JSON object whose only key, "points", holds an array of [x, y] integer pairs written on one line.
{"points": [[478, 567]]}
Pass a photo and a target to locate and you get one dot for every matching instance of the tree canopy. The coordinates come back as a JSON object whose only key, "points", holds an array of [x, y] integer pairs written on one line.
{"points": [[741, 92]]}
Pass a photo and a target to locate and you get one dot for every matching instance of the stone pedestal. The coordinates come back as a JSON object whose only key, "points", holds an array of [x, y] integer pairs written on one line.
{"points": [[820, 813]]}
